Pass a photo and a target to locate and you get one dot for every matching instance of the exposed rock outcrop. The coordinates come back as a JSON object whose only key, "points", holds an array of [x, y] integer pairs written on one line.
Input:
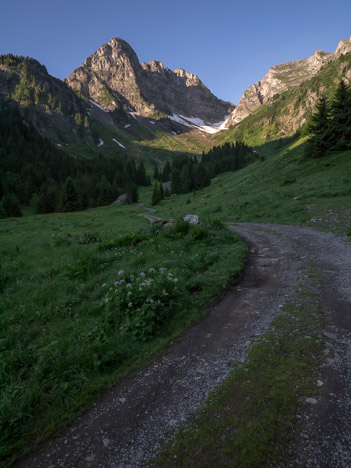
{"points": [[113, 77], [282, 78]]}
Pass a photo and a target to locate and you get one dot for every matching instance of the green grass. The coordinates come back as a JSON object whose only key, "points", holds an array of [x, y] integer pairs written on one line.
{"points": [[251, 420], [65, 335], [284, 188]]}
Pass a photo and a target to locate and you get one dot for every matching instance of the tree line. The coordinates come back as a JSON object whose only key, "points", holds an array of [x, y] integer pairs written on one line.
{"points": [[34, 170], [329, 127], [187, 174]]}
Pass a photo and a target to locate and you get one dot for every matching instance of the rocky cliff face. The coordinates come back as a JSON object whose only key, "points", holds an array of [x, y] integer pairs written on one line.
{"points": [[282, 78], [113, 77]]}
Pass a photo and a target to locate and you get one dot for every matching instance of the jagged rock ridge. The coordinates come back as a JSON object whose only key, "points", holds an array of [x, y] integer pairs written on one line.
{"points": [[282, 78], [113, 77]]}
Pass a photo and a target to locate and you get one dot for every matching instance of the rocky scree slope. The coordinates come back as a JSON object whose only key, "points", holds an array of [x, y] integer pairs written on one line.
{"points": [[54, 109], [113, 77], [284, 77]]}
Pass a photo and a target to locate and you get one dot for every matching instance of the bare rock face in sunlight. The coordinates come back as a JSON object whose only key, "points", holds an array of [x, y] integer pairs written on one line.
{"points": [[284, 77], [114, 78]]}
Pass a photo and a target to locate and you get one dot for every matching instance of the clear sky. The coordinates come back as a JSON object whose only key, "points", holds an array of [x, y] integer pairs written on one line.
{"points": [[229, 44]]}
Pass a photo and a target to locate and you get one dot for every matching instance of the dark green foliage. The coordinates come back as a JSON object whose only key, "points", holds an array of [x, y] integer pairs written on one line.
{"points": [[69, 197], [156, 196], [319, 128], [330, 125], [31, 164], [340, 122], [47, 200], [9, 206], [132, 192]]}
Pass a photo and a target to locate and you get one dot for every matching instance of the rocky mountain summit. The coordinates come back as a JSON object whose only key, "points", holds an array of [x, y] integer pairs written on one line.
{"points": [[114, 78], [284, 77]]}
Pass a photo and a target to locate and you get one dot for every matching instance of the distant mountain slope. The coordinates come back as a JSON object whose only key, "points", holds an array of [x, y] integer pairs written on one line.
{"points": [[284, 77], [113, 77], [287, 112], [55, 110]]}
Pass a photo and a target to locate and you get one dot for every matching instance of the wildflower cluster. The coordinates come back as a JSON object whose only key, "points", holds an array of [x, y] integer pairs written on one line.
{"points": [[142, 303]]}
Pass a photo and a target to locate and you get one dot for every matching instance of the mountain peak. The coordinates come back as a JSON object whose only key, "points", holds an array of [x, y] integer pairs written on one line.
{"points": [[114, 78], [344, 47]]}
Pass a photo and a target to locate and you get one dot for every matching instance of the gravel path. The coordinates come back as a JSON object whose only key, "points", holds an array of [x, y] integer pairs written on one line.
{"points": [[129, 423]]}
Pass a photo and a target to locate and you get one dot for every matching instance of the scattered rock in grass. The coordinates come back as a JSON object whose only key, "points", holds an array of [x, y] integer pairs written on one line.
{"points": [[192, 219]]}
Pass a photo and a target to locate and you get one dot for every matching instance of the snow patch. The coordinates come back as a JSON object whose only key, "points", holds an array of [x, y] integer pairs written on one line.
{"points": [[133, 114], [127, 125], [175, 133], [177, 118], [118, 143], [58, 144], [153, 123], [101, 142], [98, 105], [199, 124]]}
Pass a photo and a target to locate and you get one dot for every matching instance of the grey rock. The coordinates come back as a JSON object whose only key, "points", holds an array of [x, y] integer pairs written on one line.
{"points": [[192, 219], [113, 77]]}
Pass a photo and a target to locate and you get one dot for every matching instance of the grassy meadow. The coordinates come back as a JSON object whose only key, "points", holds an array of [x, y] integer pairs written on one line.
{"points": [[86, 297]]}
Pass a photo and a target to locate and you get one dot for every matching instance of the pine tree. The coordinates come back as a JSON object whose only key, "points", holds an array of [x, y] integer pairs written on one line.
{"points": [[47, 200], [9, 207], [156, 173], [340, 118], [69, 197], [132, 191], [319, 129], [156, 196]]}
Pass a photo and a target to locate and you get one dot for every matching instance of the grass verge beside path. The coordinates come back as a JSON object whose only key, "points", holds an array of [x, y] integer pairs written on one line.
{"points": [[85, 298], [250, 421]]}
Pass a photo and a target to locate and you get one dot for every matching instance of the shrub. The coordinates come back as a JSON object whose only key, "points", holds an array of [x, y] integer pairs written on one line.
{"points": [[199, 232], [140, 305]]}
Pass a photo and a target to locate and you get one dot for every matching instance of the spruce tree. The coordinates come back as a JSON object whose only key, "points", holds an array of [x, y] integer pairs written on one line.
{"points": [[319, 129], [340, 118], [69, 197], [9, 206], [155, 200]]}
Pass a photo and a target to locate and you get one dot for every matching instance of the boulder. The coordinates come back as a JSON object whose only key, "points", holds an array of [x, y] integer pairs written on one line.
{"points": [[123, 199], [192, 219]]}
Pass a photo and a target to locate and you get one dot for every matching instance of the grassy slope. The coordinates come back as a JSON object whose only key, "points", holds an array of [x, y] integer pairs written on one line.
{"points": [[285, 188], [60, 343]]}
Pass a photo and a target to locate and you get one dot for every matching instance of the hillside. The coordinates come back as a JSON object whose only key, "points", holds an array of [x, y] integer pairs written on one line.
{"points": [[287, 112], [284, 77]]}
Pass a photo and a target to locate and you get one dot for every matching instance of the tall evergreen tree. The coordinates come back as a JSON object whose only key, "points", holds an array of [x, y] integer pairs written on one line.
{"points": [[156, 196], [340, 118], [319, 129], [69, 197]]}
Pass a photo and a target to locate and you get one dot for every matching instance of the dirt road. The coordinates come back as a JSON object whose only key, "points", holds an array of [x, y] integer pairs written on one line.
{"points": [[129, 423]]}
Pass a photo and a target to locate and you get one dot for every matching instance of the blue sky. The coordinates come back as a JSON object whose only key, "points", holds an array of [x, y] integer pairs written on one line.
{"points": [[228, 44]]}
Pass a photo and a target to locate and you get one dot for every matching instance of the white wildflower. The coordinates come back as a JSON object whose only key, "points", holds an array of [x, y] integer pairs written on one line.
{"points": [[129, 285], [152, 270], [142, 274], [121, 272], [175, 280], [104, 285], [129, 293], [130, 304], [107, 300], [116, 283]]}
